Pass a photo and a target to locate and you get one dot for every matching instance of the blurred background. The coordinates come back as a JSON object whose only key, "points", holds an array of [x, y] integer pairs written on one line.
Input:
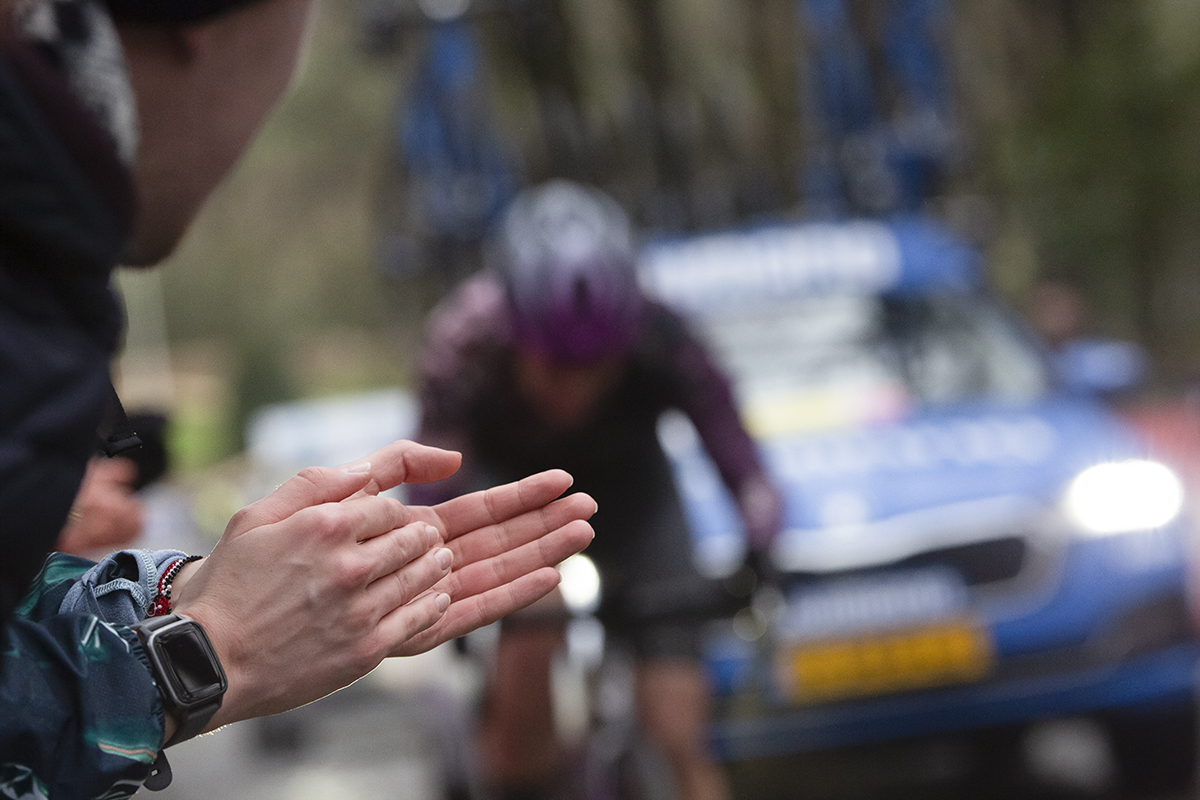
{"points": [[1077, 122], [1067, 135]]}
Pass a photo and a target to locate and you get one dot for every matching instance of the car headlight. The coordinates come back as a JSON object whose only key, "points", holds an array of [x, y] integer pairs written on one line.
{"points": [[1122, 496], [580, 584]]}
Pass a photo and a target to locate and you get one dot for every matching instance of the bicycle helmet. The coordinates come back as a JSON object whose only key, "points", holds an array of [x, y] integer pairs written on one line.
{"points": [[565, 254]]}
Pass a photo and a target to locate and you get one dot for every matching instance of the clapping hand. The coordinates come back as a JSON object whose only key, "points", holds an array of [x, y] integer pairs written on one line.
{"points": [[315, 584]]}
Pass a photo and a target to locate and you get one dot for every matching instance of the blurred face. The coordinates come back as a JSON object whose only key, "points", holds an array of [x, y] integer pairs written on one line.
{"points": [[1058, 312], [203, 93], [566, 396]]}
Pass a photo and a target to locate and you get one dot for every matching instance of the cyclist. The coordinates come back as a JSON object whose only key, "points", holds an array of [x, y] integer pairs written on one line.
{"points": [[552, 355]]}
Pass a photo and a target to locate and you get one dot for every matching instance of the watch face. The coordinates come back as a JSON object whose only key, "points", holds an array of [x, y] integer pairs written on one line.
{"points": [[196, 675]]}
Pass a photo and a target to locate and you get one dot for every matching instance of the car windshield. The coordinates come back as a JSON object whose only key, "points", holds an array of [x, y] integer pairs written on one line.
{"points": [[825, 361]]}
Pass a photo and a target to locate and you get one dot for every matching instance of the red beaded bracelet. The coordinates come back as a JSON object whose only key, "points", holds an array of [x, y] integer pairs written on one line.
{"points": [[161, 605]]}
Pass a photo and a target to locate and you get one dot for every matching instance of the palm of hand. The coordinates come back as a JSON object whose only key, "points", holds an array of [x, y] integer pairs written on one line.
{"points": [[311, 587]]}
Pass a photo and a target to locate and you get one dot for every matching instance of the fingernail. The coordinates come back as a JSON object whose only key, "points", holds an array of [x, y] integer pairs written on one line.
{"points": [[442, 600], [444, 557], [433, 533], [357, 468]]}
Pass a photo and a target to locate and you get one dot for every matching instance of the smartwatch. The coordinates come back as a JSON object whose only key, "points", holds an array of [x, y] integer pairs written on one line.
{"points": [[186, 669]]}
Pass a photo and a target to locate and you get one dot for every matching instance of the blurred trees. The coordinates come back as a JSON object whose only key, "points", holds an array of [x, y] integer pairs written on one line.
{"points": [[1079, 157], [1078, 120], [1096, 161]]}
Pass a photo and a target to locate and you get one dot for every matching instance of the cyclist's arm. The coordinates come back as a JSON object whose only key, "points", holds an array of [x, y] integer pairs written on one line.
{"points": [[705, 395], [462, 336]]}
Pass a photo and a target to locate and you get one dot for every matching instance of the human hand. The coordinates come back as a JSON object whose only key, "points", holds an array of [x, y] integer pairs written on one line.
{"points": [[761, 508], [312, 586], [106, 514], [506, 542]]}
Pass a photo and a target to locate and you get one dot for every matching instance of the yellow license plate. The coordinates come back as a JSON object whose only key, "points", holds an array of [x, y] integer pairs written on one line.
{"points": [[916, 658]]}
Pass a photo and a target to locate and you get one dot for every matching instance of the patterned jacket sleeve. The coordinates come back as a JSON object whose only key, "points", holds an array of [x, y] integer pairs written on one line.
{"points": [[80, 716]]}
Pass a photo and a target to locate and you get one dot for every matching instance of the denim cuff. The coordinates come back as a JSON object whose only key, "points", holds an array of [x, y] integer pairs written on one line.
{"points": [[120, 588]]}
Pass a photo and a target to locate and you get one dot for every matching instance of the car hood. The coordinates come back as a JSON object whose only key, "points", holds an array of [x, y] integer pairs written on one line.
{"points": [[870, 494]]}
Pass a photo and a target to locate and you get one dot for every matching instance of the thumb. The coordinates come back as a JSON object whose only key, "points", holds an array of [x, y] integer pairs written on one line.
{"points": [[313, 486]]}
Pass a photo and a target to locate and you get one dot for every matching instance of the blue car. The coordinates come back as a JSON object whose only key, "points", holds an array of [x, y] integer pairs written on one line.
{"points": [[969, 544]]}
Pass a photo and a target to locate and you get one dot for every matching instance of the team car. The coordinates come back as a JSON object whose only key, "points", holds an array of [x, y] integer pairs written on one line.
{"points": [[971, 544]]}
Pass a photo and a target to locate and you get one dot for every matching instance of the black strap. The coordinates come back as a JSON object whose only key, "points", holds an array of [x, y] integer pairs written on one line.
{"points": [[194, 725], [160, 774], [116, 434]]}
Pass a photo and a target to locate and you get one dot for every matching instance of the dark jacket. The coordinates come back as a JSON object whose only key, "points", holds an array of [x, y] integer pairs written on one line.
{"points": [[469, 402], [77, 706]]}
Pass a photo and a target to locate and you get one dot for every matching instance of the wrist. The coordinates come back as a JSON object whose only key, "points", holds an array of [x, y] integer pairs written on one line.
{"points": [[184, 575], [226, 649], [185, 604], [161, 604]]}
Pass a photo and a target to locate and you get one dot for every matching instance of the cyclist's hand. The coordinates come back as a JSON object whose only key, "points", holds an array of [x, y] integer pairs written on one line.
{"points": [[761, 509], [763, 569]]}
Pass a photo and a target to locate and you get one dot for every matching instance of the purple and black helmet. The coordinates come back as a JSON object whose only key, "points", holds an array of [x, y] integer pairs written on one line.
{"points": [[565, 253]]}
